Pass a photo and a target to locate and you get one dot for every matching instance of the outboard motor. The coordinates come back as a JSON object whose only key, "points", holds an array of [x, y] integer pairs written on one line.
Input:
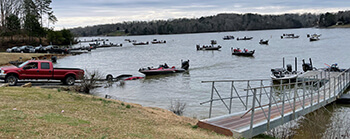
{"points": [[54, 59], [278, 72], [307, 66], [289, 68], [185, 64]]}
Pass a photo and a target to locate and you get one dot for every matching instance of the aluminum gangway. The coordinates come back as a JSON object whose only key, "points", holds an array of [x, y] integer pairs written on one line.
{"points": [[266, 104]]}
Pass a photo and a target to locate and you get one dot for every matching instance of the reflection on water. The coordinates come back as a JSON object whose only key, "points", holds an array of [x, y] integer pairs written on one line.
{"points": [[158, 91]]}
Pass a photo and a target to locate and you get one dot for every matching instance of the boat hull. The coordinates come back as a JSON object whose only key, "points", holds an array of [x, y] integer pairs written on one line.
{"points": [[161, 71], [250, 53]]}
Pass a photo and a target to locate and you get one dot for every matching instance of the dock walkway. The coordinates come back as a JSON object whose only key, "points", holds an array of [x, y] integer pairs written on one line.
{"points": [[273, 105]]}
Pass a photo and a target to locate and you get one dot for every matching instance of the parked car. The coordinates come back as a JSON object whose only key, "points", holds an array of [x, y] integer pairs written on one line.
{"points": [[48, 49], [26, 49], [9, 50], [39, 49], [15, 49], [40, 69]]}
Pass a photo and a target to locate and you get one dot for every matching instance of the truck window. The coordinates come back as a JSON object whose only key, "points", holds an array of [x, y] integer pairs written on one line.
{"points": [[33, 65], [45, 65]]}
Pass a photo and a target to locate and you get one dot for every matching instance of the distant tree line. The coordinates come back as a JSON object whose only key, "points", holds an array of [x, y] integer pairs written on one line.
{"points": [[218, 23], [330, 19], [21, 22]]}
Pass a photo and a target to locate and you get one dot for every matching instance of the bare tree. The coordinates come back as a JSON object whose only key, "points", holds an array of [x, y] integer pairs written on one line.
{"points": [[89, 81], [177, 107], [8, 7]]}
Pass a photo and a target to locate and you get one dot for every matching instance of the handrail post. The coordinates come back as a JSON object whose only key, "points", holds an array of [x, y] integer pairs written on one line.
{"points": [[303, 96], [246, 101], [261, 85], [335, 86], [294, 98], [269, 114], [211, 99], [324, 86], [312, 94], [329, 83], [252, 116], [343, 75], [231, 97], [338, 84], [318, 90], [283, 98]]}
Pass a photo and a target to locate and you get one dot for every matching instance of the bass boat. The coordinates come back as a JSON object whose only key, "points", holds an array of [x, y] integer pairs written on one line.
{"points": [[165, 69]]}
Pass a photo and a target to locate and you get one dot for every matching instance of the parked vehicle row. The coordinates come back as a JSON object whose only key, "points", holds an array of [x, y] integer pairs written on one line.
{"points": [[38, 49]]}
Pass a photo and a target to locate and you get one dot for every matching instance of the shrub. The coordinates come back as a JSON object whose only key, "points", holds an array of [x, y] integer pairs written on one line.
{"points": [[177, 107]]}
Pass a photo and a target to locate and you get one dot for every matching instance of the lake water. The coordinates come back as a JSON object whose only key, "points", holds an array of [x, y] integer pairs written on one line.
{"points": [[159, 91]]}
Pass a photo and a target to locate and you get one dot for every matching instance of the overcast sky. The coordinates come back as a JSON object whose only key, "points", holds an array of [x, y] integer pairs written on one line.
{"points": [[81, 13]]}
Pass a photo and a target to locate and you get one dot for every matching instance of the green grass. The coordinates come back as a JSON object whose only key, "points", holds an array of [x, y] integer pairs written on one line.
{"points": [[48, 113]]}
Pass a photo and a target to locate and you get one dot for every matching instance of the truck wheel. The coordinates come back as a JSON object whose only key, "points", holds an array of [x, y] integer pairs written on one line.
{"points": [[70, 80], [11, 80]]}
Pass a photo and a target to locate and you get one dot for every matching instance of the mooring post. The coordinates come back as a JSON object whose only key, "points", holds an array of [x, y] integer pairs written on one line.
{"points": [[252, 116], [211, 99]]}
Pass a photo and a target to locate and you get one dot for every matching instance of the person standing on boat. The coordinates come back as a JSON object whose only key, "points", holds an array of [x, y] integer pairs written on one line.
{"points": [[166, 65]]}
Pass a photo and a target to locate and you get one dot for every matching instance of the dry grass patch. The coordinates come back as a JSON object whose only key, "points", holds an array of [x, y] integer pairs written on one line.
{"points": [[5, 58], [47, 113]]}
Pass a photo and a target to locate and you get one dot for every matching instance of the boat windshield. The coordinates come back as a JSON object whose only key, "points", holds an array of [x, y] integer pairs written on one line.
{"points": [[25, 63]]}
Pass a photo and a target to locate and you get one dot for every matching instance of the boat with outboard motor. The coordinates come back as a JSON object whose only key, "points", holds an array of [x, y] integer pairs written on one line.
{"points": [[262, 41], [245, 38], [228, 37], [314, 39], [282, 74], [210, 47], [165, 69], [140, 43], [291, 36], [239, 52]]}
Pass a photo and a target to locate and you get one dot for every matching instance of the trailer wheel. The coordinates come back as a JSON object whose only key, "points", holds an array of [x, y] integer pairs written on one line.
{"points": [[70, 80], [11, 80], [109, 78]]}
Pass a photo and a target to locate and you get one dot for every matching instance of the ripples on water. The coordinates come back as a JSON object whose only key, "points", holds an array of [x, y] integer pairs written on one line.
{"points": [[158, 91]]}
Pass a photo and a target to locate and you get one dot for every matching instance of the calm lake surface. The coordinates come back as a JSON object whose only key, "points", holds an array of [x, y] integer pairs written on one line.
{"points": [[159, 91]]}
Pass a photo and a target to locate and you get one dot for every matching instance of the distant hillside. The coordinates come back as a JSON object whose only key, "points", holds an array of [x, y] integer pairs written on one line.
{"points": [[218, 23]]}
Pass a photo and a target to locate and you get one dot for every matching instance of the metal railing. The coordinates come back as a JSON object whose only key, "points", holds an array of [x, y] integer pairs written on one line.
{"points": [[304, 95]]}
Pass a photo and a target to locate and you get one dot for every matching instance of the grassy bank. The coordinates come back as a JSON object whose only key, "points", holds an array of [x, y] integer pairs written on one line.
{"points": [[47, 113], [340, 26], [5, 58]]}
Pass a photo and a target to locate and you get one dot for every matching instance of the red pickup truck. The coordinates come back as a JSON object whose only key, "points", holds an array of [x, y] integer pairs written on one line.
{"points": [[40, 69]]}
